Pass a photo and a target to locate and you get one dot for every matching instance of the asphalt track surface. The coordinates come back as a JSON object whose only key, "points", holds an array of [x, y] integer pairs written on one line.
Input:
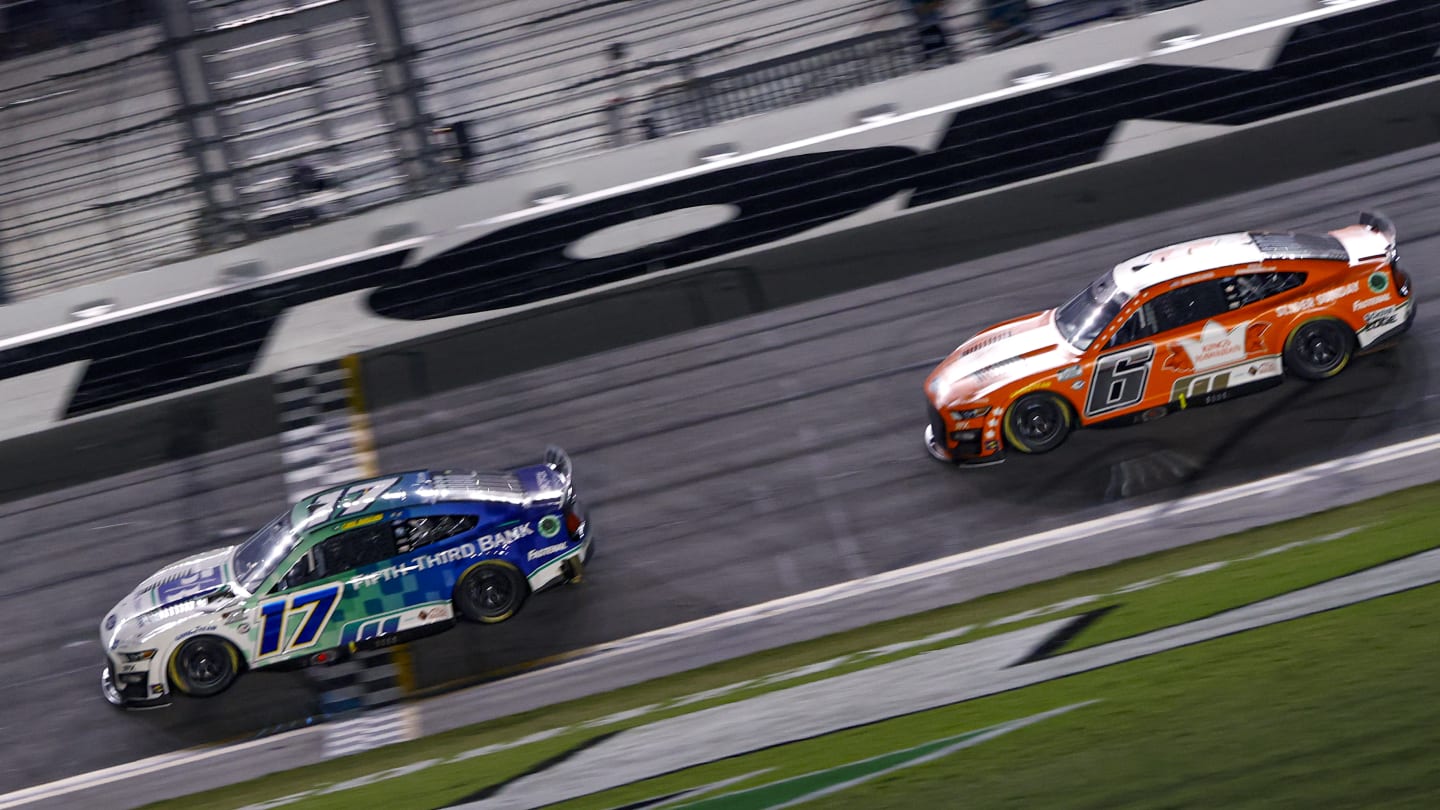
{"points": [[723, 467]]}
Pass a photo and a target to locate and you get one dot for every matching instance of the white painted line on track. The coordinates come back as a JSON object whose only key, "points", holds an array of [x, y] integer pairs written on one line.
{"points": [[139, 767], [810, 599]]}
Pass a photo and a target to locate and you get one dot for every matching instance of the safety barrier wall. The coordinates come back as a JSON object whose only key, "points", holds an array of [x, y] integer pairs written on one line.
{"points": [[881, 184]]}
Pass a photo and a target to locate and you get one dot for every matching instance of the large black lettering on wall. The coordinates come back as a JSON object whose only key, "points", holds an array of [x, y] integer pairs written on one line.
{"points": [[186, 346], [1026, 136], [527, 262], [1068, 125]]}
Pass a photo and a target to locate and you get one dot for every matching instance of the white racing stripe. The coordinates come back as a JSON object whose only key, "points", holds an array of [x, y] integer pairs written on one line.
{"points": [[778, 607]]}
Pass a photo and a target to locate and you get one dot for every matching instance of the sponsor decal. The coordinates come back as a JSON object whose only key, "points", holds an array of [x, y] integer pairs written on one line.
{"points": [[545, 551], [499, 542], [243, 628], [110, 622], [1035, 386], [1254, 268], [549, 526], [191, 583], [360, 521], [1207, 387], [209, 628], [1379, 281], [1366, 303], [369, 629], [1381, 318], [156, 689], [434, 613], [1188, 280], [1319, 299], [1216, 346], [1068, 373]]}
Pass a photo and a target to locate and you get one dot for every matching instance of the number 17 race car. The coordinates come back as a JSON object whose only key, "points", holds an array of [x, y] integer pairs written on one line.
{"points": [[360, 566], [1187, 325]]}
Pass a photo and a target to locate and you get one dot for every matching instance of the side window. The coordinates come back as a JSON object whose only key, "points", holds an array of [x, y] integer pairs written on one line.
{"points": [[1140, 325], [1190, 304], [422, 531], [357, 547], [1244, 290], [342, 552], [302, 572]]}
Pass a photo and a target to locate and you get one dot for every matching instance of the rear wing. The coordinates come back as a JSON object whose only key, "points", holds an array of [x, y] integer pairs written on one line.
{"points": [[1372, 238], [559, 461], [1381, 224]]}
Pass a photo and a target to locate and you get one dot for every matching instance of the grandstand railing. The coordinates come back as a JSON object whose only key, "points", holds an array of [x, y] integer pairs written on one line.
{"points": [[166, 141]]}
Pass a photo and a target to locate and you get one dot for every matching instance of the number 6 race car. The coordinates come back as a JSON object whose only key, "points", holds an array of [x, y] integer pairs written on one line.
{"points": [[360, 566], [1191, 324]]}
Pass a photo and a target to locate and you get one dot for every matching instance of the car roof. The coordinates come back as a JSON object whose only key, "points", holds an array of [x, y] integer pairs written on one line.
{"points": [[1224, 250], [370, 496]]}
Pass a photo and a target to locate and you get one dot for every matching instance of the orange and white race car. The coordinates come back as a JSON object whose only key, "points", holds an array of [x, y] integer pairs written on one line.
{"points": [[1187, 325]]}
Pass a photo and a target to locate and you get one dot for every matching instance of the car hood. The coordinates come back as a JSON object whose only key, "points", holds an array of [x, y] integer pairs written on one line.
{"points": [[197, 584], [999, 355]]}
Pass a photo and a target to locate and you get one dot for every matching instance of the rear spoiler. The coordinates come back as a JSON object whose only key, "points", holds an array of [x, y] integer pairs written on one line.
{"points": [[1381, 224], [559, 461]]}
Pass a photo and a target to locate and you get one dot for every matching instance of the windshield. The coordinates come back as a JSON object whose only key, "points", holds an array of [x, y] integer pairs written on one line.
{"points": [[258, 556], [1081, 320]]}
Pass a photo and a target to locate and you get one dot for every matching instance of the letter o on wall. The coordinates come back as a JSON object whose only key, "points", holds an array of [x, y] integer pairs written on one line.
{"points": [[557, 254]]}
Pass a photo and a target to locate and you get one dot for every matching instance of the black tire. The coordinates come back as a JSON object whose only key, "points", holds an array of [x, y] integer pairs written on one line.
{"points": [[204, 666], [1318, 349], [490, 592], [1038, 422]]}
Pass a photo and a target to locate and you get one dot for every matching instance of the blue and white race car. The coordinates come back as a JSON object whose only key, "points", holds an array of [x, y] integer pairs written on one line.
{"points": [[364, 565]]}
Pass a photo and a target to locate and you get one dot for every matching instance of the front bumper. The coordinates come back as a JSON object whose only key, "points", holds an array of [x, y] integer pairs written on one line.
{"points": [[132, 690], [965, 447]]}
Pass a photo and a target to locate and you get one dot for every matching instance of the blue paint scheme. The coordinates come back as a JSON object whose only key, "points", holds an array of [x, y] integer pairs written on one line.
{"points": [[189, 584]]}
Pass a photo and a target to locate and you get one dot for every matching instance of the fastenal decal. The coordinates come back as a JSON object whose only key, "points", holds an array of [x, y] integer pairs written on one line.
{"points": [[1366, 303], [546, 551]]}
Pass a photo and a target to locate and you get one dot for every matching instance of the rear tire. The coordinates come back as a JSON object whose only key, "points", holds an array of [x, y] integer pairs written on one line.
{"points": [[490, 592], [204, 666], [1318, 349], [1038, 422]]}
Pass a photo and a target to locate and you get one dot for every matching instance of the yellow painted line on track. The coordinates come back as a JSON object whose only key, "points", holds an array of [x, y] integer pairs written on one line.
{"points": [[368, 460]]}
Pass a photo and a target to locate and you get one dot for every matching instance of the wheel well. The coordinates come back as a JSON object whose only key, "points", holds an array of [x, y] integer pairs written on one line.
{"points": [[237, 657]]}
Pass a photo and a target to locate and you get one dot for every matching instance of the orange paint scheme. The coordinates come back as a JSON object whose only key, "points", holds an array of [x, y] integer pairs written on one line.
{"points": [[1187, 325]]}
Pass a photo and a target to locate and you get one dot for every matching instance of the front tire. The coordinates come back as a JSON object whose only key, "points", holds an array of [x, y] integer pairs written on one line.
{"points": [[1038, 422], [490, 592], [204, 666], [1319, 349]]}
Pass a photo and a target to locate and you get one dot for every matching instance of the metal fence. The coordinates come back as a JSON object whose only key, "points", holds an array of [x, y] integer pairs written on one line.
{"points": [[159, 131]]}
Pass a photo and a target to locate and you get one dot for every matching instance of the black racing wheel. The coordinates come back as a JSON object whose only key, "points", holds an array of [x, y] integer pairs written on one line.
{"points": [[204, 665], [490, 592], [1037, 422], [1318, 349]]}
